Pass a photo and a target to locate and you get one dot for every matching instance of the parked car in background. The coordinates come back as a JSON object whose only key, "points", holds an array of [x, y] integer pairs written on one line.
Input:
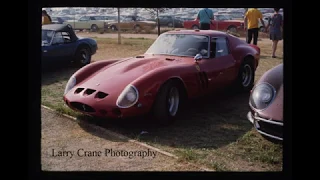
{"points": [[135, 23], [106, 18], [220, 22], [266, 104], [179, 65], [61, 46], [88, 23], [185, 18], [60, 19], [170, 21]]}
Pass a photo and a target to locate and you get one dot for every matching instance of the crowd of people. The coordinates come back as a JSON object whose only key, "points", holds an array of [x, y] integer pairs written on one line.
{"points": [[251, 25]]}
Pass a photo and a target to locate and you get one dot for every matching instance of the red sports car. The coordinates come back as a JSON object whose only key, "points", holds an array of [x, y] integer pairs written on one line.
{"points": [[266, 104], [180, 64], [220, 23]]}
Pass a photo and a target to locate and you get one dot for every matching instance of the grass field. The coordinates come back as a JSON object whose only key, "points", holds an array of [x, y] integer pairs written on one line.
{"points": [[212, 131]]}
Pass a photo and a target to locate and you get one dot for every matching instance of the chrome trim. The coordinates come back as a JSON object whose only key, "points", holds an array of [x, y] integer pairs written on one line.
{"points": [[269, 135], [252, 120], [267, 120], [133, 102], [274, 91]]}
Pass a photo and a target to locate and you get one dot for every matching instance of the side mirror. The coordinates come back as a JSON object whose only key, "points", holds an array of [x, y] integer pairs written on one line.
{"points": [[198, 57]]}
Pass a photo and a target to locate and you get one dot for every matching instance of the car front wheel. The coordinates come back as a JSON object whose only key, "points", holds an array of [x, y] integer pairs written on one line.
{"points": [[167, 103], [246, 75]]}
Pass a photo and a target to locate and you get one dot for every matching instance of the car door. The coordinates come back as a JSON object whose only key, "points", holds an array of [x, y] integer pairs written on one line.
{"points": [[214, 23], [61, 49], [82, 23], [220, 68]]}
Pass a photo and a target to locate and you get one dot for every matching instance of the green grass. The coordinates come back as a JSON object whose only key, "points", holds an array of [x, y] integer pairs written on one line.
{"points": [[212, 132]]}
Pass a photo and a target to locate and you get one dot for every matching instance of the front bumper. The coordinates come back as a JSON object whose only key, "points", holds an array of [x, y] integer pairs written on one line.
{"points": [[267, 127]]}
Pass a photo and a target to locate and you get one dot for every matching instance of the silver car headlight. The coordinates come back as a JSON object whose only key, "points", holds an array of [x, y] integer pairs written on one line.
{"points": [[262, 96], [70, 84], [128, 97]]}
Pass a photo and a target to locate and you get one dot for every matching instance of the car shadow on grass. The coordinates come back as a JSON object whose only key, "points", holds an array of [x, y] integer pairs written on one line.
{"points": [[57, 74], [209, 122]]}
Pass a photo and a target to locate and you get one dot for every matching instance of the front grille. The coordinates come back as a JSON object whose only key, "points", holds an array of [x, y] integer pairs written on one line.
{"points": [[89, 91], [78, 90], [272, 129], [101, 95], [82, 107]]}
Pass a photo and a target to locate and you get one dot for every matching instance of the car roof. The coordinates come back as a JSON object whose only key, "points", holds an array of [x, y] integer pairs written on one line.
{"points": [[199, 32], [56, 27]]}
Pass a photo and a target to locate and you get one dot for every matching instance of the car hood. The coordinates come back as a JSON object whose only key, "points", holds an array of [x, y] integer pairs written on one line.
{"points": [[150, 22], [122, 73]]}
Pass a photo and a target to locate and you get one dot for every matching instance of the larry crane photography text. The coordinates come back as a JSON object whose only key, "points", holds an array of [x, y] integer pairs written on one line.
{"points": [[106, 152]]}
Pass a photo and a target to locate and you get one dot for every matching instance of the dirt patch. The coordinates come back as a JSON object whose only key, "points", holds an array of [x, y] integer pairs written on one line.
{"points": [[61, 134]]}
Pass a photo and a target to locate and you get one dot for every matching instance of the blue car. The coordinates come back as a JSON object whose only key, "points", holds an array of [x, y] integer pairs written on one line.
{"points": [[61, 46]]}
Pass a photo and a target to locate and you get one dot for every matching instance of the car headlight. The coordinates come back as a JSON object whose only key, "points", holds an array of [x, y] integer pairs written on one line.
{"points": [[262, 96], [128, 97], [70, 84]]}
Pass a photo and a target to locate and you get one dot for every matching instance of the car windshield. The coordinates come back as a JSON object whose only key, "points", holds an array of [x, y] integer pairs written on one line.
{"points": [[180, 45], [46, 37]]}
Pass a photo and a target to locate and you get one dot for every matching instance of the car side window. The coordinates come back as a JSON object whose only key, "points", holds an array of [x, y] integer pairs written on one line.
{"points": [[219, 47], [66, 37], [84, 18], [58, 38]]}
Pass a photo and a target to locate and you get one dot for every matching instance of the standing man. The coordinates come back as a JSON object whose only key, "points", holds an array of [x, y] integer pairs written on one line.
{"points": [[46, 19], [251, 24], [205, 16]]}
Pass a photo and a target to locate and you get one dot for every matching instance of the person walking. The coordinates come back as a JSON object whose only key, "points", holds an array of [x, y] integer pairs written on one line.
{"points": [[275, 31], [46, 19], [251, 24], [205, 16]]}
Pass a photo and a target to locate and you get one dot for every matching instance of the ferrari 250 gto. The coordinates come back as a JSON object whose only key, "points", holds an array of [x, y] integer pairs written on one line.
{"points": [[180, 64]]}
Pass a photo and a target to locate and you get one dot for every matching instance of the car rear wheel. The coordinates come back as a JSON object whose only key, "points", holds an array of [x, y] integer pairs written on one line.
{"points": [[94, 28], [167, 103], [232, 29], [195, 27], [246, 75], [137, 28], [83, 56]]}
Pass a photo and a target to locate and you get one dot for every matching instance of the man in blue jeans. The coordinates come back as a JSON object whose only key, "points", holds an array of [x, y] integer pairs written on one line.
{"points": [[205, 16]]}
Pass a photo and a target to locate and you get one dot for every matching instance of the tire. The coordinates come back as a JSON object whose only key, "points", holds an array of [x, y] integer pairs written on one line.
{"points": [[137, 28], [161, 109], [195, 27], [170, 24], [82, 56], [261, 29], [94, 28], [232, 29], [114, 28], [246, 75]]}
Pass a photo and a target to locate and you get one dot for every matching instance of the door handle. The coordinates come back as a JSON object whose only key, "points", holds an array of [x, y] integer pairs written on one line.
{"points": [[45, 51]]}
